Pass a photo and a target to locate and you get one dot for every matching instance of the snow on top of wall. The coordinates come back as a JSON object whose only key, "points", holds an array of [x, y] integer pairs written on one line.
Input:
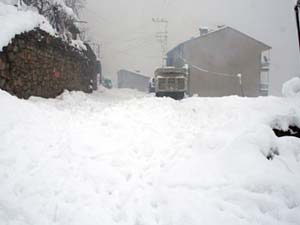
{"points": [[15, 21], [78, 44], [291, 88]]}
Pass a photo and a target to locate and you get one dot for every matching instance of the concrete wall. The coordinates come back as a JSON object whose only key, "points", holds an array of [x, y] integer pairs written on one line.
{"points": [[226, 51], [128, 79], [37, 64]]}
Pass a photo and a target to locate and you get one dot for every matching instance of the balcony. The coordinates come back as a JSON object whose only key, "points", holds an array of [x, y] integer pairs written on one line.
{"points": [[265, 64], [264, 89]]}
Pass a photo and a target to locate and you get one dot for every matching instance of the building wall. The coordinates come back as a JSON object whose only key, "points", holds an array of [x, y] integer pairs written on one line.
{"points": [[37, 64], [128, 79], [224, 52]]}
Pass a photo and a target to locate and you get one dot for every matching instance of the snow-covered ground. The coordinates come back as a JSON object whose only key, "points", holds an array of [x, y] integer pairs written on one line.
{"points": [[123, 157]]}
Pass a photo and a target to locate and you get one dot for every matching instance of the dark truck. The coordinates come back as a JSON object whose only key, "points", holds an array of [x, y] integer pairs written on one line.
{"points": [[171, 82]]}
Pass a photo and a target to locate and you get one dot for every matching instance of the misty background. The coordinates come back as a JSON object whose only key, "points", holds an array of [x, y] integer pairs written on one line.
{"points": [[127, 34]]}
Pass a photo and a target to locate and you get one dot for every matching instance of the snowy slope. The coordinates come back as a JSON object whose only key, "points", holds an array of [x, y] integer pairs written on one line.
{"points": [[122, 157], [14, 21]]}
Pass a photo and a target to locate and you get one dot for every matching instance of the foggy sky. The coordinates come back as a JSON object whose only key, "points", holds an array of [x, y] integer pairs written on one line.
{"points": [[127, 34]]}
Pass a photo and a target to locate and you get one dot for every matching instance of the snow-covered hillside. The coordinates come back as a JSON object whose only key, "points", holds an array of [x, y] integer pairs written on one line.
{"points": [[122, 157]]}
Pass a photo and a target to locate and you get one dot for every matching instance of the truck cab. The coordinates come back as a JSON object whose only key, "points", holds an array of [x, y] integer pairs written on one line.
{"points": [[171, 82]]}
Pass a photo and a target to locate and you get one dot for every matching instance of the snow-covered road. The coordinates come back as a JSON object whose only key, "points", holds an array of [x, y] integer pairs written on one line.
{"points": [[123, 157]]}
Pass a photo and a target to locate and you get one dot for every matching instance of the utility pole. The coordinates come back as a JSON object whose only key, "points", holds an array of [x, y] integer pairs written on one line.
{"points": [[162, 37], [96, 49], [297, 6]]}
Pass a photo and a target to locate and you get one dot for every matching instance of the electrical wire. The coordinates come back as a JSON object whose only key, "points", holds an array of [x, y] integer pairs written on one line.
{"points": [[239, 76], [207, 71]]}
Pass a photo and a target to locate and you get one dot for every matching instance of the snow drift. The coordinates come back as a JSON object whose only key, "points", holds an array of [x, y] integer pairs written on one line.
{"points": [[291, 88], [120, 157]]}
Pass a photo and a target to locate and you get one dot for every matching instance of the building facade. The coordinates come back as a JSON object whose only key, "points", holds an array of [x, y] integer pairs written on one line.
{"points": [[133, 80], [224, 62]]}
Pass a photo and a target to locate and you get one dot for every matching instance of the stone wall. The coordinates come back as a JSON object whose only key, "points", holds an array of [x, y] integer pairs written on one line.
{"points": [[37, 64]]}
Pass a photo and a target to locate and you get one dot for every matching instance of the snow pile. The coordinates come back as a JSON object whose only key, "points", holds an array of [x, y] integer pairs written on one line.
{"points": [[123, 157], [78, 44], [291, 87], [14, 21]]}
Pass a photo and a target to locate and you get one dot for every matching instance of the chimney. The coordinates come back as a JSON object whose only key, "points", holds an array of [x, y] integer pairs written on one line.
{"points": [[203, 31]]}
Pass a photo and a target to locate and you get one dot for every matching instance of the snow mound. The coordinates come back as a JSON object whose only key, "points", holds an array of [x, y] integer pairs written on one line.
{"points": [[124, 157], [291, 88], [14, 21]]}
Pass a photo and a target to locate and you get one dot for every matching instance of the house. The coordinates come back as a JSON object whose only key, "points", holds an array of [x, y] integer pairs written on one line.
{"points": [[133, 80], [223, 62]]}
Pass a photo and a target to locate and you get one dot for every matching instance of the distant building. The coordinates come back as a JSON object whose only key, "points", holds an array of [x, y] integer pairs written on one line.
{"points": [[133, 80], [217, 57]]}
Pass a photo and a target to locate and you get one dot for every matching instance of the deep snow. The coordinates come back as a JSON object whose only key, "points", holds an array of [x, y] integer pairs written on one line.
{"points": [[123, 157]]}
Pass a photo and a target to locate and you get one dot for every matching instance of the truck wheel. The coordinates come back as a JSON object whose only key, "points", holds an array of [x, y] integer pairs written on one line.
{"points": [[174, 95], [179, 95], [159, 94]]}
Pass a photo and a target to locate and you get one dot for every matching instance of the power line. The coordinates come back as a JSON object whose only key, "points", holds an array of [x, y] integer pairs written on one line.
{"points": [[238, 76], [96, 48], [207, 71]]}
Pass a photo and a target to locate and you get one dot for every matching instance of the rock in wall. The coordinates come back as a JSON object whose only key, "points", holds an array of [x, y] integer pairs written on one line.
{"points": [[38, 64]]}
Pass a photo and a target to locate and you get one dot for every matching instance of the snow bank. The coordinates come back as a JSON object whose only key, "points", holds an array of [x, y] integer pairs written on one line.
{"points": [[78, 44], [14, 21], [291, 88], [123, 157]]}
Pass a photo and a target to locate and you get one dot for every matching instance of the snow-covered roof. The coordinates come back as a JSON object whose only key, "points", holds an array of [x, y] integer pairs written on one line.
{"points": [[223, 28], [133, 73], [15, 21]]}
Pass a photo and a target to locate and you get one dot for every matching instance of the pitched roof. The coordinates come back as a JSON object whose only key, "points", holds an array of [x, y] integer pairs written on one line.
{"points": [[128, 72], [264, 46]]}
